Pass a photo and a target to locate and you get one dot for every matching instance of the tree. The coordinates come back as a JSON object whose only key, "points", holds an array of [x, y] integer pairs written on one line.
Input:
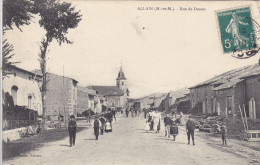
{"points": [[18, 13], [7, 54], [56, 18]]}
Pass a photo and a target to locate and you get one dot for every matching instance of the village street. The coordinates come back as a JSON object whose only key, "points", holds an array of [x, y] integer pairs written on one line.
{"points": [[130, 144]]}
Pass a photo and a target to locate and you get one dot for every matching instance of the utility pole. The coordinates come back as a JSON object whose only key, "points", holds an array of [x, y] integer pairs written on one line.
{"points": [[65, 115]]}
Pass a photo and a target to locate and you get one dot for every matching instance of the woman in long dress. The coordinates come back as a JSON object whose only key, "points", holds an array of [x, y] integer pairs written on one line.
{"points": [[156, 119]]}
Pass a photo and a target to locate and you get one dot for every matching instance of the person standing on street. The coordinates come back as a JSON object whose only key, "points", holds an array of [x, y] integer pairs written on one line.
{"points": [[145, 112], [127, 112], [150, 119], [156, 120], [132, 112], [167, 123], [147, 126], [114, 113], [223, 131], [109, 118], [72, 128], [103, 123], [190, 127], [89, 114], [96, 124]]}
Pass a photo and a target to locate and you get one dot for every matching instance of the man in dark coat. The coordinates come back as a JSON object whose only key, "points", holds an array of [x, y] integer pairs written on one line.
{"points": [[72, 128], [96, 124], [127, 111], [89, 114], [114, 113], [167, 124], [103, 123], [190, 127], [145, 112], [132, 111]]}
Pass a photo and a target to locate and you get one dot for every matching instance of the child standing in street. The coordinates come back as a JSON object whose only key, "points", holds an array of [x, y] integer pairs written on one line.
{"points": [[224, 133], [72, 128], [147, 126]]}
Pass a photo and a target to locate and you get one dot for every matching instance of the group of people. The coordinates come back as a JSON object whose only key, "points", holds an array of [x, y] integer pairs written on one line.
{"points": [[134, 112], [154, 121], [171, 127], [170, 123], [101, 123]]}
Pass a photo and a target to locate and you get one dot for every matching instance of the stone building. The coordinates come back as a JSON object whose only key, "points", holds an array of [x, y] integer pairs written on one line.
{"points": [[61, 96], [171, 97], [24, 87], [224, 94], [85, 99], [252, 93]]}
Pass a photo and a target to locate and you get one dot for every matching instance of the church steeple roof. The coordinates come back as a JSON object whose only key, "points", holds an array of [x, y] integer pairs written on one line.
{"points": [[121, 75]]}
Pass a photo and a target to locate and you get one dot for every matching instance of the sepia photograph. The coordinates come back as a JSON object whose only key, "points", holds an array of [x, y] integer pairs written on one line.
{"points": [[130, 82]]}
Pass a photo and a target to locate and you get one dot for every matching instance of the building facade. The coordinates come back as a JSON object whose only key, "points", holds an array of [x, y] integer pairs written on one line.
{"points": [[227, 93], [61, 96], [85, 99], [252, 94], [24, 87]]}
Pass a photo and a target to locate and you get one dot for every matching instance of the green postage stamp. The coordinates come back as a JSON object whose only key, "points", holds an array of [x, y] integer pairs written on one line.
{"points": [[236, 30]]}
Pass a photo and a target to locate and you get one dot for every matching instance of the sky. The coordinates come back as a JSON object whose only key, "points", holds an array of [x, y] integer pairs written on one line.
{"points": [[160, 51]]}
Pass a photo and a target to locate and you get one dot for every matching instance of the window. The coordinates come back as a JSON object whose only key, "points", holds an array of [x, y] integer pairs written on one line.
{"points": [[14, 90], [122, 82], [14, 74], [229, 103], [29, 101], [252, 109]]}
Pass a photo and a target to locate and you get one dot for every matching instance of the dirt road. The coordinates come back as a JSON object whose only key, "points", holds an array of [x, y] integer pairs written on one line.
{"points": [[130, 144]]}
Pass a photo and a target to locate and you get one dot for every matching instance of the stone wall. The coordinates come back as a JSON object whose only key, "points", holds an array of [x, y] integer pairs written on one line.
{"points": [[59, 95]]}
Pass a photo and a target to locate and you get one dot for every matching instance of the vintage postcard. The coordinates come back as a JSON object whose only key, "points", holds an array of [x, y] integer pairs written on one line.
{"points": [[130, 82]]}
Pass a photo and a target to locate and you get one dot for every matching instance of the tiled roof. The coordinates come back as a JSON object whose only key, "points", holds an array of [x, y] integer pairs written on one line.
{"points": [[255, 71], [38, 72], [228, 84], [219, 78], [88, 91], [231, 78], [179, 93], [26, 71], [108, 90]]}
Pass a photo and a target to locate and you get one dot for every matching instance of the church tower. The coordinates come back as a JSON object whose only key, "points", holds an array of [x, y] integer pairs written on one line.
{"points": [[121, 81]]}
